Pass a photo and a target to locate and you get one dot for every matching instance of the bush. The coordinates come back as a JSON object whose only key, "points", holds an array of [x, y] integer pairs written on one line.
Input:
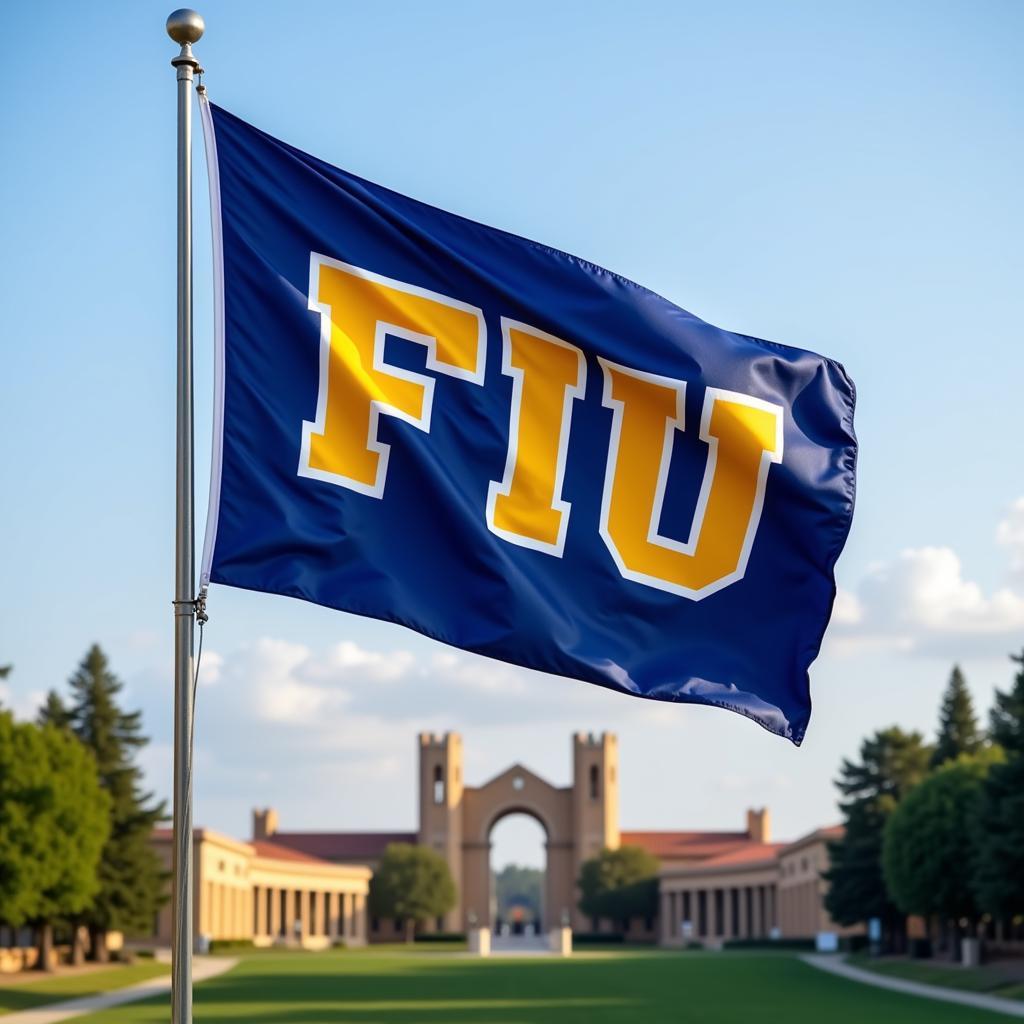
{"points": [[694, 944], [442, 937], [798, 944], [597, 938], [229, 945], [920, 949]]}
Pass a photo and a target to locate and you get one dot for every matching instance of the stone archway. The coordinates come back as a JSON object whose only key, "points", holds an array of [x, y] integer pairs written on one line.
{"points": [[517, 791], [456, 820]]}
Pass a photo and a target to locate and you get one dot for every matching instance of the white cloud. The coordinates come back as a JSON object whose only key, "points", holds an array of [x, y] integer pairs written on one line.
{"points": [[1010, 535], [921, 601]]}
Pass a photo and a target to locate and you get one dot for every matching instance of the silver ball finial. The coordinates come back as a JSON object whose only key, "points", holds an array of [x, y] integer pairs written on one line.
{"points": [[185, 26]]}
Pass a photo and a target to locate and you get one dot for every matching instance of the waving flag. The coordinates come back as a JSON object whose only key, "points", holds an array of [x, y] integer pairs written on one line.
{"points": [[504, 447]]}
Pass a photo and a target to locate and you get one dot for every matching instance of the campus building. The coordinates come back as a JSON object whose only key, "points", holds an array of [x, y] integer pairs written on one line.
{"points": [[310, 887], [269, 894]]}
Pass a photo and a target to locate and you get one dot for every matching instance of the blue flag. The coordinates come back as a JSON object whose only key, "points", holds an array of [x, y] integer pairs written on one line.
{"points": [[514, 451]]}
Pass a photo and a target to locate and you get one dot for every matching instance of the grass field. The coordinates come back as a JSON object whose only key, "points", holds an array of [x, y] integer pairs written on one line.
{"points": [[27, 994], [591, 988]]}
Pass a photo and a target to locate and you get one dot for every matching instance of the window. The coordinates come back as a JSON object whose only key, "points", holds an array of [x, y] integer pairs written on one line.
{"points": [[438, 785], [594, 782]]}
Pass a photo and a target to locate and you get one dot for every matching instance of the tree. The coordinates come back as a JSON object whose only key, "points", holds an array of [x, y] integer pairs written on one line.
{"points": [[891, 763], [132, 880], [958, 726], [54, 712], [619, 885], [926, 854], [54, 820], [998, 827], [411, 884]]}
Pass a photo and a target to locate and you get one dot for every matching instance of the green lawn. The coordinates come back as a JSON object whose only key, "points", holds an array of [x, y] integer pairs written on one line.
{"points": [[990, 979], [591, 988], [27, 995]]}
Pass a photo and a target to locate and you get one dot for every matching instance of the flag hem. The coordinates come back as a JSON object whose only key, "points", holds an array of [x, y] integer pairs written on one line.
{"points": [[217, 449]]}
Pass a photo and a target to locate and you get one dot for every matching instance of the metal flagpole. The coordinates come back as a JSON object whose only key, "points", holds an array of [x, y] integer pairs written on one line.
{"points": [[184, 27]]}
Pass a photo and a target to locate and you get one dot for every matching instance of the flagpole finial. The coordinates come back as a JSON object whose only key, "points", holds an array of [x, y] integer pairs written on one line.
{"points": [[185, 26]]}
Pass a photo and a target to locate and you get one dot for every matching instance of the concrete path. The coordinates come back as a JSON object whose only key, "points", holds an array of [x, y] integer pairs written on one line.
{"points": [[835, 965], [203, 968]]}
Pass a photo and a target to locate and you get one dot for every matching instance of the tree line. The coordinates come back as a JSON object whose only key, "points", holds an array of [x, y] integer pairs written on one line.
{"points": [[935, 830], [75, 821]]}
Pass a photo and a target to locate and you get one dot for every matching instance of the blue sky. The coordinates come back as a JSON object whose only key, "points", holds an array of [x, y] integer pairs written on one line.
{"points": [[843, 177]]}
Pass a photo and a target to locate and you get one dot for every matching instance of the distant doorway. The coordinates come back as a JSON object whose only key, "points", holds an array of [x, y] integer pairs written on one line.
{"points": [[518, 870]]}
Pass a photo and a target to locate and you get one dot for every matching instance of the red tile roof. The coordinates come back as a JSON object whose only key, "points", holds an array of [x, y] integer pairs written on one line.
{"points": [[686, 845], [748, 854], [336, 846], [276, 851]]}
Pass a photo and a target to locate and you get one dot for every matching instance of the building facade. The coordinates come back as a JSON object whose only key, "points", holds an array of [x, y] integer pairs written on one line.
{"points": [[269, 894], [310, 888]]}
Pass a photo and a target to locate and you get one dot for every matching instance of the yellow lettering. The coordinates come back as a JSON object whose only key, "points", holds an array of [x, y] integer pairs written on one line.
{"points": [[744, 436], [358, 311], [547, 373]]}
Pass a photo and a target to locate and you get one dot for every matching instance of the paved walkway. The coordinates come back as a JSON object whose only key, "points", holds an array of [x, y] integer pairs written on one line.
{"points": [[204, 967], [835, 965]]}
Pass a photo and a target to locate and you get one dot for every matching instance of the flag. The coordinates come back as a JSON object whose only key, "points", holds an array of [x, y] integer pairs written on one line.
{"points": [[426, 420]]}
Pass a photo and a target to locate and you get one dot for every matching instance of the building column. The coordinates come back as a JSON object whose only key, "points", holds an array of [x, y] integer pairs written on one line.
{"points": [[773, 911], [666, 923], [288, 923], [348, 900], [274, 901], [259, 895], [359, 918], [744, 912], [333, 915], [303, 897], [728, 895]]}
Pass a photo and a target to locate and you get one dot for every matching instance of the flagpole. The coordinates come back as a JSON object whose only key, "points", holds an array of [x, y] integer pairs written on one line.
{"points": [[184, 27]]}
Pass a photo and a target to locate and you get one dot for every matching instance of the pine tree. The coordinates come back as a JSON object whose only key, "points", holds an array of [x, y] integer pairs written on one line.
{"points": [[892, 762], [132, 881], [998, 831], [54, 712], [958, 726]]}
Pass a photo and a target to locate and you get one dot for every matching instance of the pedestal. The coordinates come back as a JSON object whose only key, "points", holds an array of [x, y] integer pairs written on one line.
{"points": [[560, 941], [480, 941]]}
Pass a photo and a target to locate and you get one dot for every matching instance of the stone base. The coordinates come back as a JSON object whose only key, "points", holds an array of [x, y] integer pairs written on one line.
{"points": [[560, 941], [480, 941]]}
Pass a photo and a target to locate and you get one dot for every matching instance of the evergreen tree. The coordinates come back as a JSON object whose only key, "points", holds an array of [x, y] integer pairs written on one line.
{"points": [[5, 671], [891, 763], [132, 880], [998, 832], [54, 712], [958, 726]]}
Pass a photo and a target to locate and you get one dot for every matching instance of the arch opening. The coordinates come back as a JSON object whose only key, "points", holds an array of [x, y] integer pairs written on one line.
{"points": [[518, 875]]}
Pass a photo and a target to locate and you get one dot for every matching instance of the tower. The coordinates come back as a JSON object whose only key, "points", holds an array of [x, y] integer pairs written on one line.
{"points": [[595, 795], [441, 786]]}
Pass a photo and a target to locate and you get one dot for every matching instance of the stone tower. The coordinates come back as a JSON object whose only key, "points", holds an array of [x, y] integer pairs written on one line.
{"points": [[440, 792], [595, 795]]}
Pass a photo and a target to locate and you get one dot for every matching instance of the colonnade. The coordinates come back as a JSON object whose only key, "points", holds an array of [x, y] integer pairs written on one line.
{"points": [[307, 915], [718, 913]]}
